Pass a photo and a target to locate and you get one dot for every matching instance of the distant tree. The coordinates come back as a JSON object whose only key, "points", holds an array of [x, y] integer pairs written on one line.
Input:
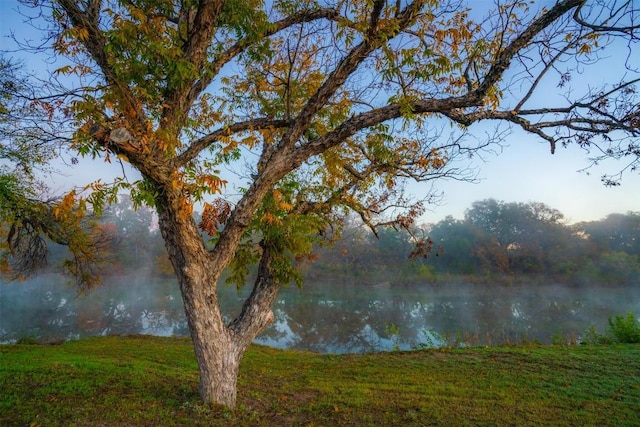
{"points": [[616, 232], [139, 239], [349, 250], [611, 268], [456, 246], [390, 247], [532, 235], [323, 109]]}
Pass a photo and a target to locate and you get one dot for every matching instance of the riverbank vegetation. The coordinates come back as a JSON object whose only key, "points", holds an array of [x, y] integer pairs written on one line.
{"points": [[503, 274], [496, 243], [141, 380]]}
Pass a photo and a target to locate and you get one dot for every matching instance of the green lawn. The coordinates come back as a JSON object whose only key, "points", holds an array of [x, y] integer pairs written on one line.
{"points": [[138, 381]]}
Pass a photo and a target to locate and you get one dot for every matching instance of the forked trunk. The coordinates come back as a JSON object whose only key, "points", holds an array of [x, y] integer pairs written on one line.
{"points": [[218, 347]]}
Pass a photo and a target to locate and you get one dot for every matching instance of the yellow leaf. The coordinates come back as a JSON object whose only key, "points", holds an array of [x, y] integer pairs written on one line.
{"points": [[82, 33], [63, 70], [271, 219], [286, 206], [138, 15], [585, 48]]}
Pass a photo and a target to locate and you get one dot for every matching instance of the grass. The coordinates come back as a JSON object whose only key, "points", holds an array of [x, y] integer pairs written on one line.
{"points": [[150, 381]]}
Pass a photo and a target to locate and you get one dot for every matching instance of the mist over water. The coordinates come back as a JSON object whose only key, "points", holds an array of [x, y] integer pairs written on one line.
{"points": [[365, 293], [327, 317]]}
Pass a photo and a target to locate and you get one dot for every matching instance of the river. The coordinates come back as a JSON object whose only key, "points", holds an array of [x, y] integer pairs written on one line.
{"points": [[334, 317]]}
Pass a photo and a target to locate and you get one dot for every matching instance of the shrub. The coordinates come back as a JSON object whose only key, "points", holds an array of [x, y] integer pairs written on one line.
{"points": [[625, 329]]}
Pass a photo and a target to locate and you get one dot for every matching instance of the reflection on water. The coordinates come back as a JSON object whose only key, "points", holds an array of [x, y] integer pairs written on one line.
{"points": [[322, 317]]}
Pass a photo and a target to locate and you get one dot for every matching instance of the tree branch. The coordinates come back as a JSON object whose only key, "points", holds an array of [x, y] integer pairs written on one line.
{"points": [[178, 100], [542, 73], [95, 44], [342, 71], [214, 67], [503, 60], [197, 146], [256, 313], [627, 29]]}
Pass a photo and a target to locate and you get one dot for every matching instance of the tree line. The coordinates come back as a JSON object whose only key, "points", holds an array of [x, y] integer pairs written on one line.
{"points": [[499, 238], [494, 238]]}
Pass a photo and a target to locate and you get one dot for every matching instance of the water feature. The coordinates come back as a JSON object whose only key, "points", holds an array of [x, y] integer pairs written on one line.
{"points": [[328, 317]]}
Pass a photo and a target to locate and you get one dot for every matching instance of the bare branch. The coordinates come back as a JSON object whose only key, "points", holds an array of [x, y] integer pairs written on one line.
{"points": [[538, 79], [612, 23], [503, 60]]}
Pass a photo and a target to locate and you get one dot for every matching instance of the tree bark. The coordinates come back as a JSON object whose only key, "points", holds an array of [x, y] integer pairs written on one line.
{"points": [[218, 356], [218, 347]]}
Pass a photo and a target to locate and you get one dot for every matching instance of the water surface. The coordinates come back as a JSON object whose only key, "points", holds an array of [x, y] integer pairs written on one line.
{"points": [[327, 317]]}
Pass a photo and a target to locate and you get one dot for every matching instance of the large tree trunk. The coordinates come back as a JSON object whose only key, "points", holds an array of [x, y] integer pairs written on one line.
{"points": [[218, 355], [218, 347]]}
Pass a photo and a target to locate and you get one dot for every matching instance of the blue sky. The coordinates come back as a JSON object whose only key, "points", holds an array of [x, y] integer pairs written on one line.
{"points": [[525, 171]]}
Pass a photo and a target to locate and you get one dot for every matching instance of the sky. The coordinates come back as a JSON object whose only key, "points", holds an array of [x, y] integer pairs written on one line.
{"points": [[524, 171], [527, 172]]}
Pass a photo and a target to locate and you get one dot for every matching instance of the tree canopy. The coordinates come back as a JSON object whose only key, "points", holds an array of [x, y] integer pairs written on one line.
{"points": [[321, 109]]}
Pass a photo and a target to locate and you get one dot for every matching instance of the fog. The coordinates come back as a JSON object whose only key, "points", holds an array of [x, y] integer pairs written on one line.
{"points": [[324, 316]]}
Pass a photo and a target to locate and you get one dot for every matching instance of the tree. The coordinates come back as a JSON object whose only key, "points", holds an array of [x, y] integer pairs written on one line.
{"points": [[532, 234], [458, 243], [323, 109], [616, 232]]}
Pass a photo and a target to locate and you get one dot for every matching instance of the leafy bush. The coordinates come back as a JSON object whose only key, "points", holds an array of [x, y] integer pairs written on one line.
{"points": [[625, 329], [622, 329], [593, 337]]}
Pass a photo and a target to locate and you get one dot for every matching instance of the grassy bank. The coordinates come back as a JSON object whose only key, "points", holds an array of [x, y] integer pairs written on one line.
{"points": [[137, 381]]}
